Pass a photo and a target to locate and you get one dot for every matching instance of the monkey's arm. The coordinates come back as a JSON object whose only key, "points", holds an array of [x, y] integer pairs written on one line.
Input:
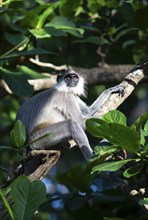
{"points": [[104, 97], [90, 111]]}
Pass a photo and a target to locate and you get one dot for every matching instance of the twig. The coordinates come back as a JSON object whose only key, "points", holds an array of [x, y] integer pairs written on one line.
{"points": [[50, 65]]}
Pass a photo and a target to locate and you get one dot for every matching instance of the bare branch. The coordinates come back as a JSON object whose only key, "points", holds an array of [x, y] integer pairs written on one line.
{"points": [[45, 83], [51, 157], [105, 74], [50, 65], [129, 83]]}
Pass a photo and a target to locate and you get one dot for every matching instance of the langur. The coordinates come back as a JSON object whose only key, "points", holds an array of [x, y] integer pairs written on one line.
{"points": [[60, 111]]}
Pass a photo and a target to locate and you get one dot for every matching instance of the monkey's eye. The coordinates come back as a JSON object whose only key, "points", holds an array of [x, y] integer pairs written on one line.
{"points": [[67, 78], [76, 78]]}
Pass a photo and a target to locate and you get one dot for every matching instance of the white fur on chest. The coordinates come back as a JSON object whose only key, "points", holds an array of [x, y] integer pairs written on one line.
{"points": [[63, 106]]}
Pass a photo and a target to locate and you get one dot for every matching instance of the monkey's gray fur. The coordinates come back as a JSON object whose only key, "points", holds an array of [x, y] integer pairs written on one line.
{"points": [[61, 112]]}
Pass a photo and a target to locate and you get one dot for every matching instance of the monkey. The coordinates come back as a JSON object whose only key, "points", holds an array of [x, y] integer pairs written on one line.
{"points": [[60, 111]]}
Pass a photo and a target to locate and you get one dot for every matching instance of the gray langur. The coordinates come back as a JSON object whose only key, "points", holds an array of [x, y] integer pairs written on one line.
{"points": [[61, 112]]}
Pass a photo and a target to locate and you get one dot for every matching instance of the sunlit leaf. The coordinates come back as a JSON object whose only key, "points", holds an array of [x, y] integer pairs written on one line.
{"points": [[30, 73], [132, 171], [49, 10], [47, 32], [143, 202], [110, 166], [103, 150], [115, 116], [41, 33], [116, 134]]}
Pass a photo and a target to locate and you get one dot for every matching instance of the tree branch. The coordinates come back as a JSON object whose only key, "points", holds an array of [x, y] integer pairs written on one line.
{"points": [[50, 65], [129, 83], [105, 74]]}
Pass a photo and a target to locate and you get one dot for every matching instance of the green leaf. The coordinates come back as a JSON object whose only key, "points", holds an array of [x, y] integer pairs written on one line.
{"points": [[26, 53], [145, 151], [132, 171], [140, 121], [65, 24], [47, 32], [110, 166], [18, 134], [16, 82], [94, 122], [116, 134], [67, 8], [90, 39], [105, 150], [14, 39], [6, 204], [115, 116], [29, 73], [143, 202], [144, 133], [124, 32], [60, 22], [101, 152], [40, 33], [54, 31], [27, 197], [49, 10]]}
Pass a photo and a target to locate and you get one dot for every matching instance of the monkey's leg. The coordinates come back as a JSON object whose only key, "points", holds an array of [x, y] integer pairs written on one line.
{"points": [[61, 132]]}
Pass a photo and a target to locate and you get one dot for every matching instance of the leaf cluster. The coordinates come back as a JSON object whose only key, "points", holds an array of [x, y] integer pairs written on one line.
{"points": [[131, 140]]}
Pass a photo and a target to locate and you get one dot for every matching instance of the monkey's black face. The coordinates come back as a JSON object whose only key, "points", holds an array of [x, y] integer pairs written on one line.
{"points": [[71, 79]]}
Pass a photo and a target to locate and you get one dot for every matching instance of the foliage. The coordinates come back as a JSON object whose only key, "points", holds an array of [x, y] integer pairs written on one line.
{"points": [[132, 139], [108, 158], [27, 197], [79, 33]]}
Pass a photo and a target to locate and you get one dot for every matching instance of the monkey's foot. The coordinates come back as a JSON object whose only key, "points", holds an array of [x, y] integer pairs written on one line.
{"points": [[47, 153]]}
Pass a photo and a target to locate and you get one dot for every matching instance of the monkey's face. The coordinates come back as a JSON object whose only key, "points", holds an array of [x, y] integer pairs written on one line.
{"points": [[71, 79], [70, 82]]}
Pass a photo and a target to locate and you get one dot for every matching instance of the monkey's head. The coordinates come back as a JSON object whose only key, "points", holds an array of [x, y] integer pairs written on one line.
{"points": [[70, 82]]}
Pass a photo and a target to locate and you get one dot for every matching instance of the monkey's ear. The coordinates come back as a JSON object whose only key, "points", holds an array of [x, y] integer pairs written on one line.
{"points": [[59, 76]]}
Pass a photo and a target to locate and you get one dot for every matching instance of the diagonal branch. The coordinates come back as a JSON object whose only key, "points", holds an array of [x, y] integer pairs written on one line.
{"points": [[129, 83]]}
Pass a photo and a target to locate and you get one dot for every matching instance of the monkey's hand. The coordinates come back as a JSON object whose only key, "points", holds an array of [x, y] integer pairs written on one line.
{"points": [[117, 89]]}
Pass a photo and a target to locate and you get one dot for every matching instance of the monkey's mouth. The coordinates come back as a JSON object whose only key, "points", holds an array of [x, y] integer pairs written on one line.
{"points": [[72, 84]]}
